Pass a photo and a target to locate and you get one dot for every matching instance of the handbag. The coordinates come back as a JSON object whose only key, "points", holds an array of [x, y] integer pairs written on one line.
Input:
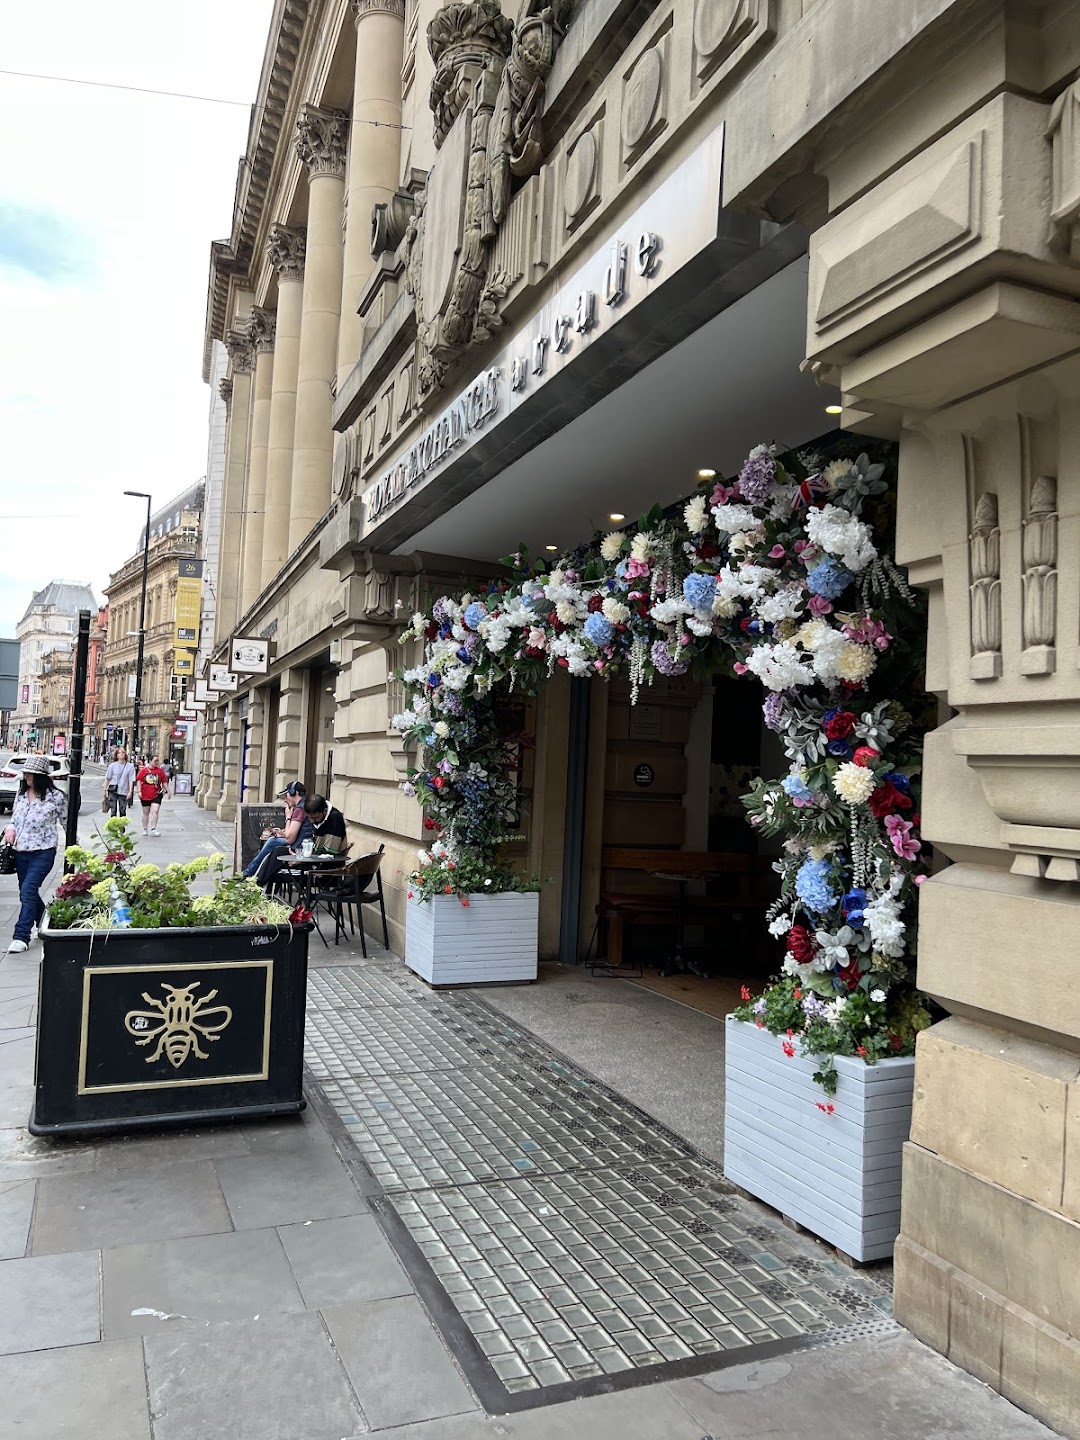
{"points": [[106, 805], [7, 858]]}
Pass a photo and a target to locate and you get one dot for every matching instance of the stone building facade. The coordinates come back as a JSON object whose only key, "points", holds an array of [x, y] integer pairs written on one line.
{"points": [[496, 277], [174, 535], [48, 626]]}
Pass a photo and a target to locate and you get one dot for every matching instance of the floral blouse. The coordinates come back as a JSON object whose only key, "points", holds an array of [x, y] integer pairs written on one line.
{"points": [[34, 821]]}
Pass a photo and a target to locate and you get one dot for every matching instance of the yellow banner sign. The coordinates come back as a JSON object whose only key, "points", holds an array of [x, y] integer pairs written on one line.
{"points": [[188, 602], [184, 663]]}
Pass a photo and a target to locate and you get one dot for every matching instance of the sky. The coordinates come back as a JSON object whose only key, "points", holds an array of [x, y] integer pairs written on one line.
{"points": [[108, 203]]}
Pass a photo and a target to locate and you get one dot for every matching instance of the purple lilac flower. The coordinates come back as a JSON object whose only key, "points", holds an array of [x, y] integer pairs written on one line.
{"points": [[814, 1009], [438, 611], [452, 702], [665, 662], [775, 711], [756, 478]]}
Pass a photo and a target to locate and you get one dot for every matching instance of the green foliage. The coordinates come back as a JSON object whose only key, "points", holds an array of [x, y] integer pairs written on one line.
{"points": [[470, 874]]}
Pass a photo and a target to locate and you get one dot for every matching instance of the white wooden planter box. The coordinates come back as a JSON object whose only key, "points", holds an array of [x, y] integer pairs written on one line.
{"points": [[493, 938], [838, 1174]]}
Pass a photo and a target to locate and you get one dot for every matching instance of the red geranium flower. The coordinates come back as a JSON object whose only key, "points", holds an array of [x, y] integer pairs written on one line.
{"points": [[828, 1109], [448, 889], [860, 1050], [788, 1048], [300, 916], [744, 993], [465, 900], [430, 824]]}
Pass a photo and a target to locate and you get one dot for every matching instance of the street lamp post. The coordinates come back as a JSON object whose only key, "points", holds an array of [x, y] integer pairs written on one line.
{"points": [[140, 495]]}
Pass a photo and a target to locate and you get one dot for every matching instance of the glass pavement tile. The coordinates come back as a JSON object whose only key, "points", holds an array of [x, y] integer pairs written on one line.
{"points": [[611, 1245]]}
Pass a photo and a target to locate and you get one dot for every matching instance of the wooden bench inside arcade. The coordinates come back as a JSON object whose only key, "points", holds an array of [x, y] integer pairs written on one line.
{"points": [[645, 886]]}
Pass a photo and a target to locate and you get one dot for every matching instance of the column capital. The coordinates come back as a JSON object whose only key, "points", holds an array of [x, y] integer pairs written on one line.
{"points": [[238, 345], [262, 327], [285, 251], [321, 138], [360, 8]]}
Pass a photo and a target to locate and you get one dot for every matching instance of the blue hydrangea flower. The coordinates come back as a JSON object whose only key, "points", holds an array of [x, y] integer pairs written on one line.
{"points": [[797, 787], [599, 629], [813, 888], [854, 907], [829, 578], [699, 591], [474, 613], [900, 780]]}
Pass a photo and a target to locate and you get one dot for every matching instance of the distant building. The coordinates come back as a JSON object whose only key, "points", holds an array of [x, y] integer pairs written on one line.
{"points": [[174, 535], [53, 723], [48, 627]]}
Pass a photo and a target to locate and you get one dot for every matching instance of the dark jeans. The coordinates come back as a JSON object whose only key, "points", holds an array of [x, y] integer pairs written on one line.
{"points": [[274, 843], [32, 868], [118, 802]]}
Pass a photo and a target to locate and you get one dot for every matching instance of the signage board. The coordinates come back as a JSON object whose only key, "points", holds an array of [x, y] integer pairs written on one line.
{"points": [[183, 783], [188, 602], [647, 250], [184, 662], [131, 686], [202, 692], [221, 678], [249, 657]]}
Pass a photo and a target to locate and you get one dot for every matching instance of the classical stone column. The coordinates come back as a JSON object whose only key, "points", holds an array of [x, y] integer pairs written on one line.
{"points": [[374, 152], [285, 251], [321, 138], [231, 739], [262, 328], [241, 363]]}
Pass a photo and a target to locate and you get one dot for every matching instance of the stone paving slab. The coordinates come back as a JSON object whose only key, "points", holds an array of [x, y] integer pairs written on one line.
{"points": [[343, 1262], [16, 1208], [49, 1301], [87, 1392], [264, 1190]]}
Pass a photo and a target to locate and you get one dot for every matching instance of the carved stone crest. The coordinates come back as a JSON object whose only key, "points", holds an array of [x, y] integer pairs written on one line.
{"points": [[488, 98]]}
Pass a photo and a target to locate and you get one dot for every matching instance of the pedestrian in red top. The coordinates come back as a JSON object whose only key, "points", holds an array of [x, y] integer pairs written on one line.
{"points": [[153, 786]]}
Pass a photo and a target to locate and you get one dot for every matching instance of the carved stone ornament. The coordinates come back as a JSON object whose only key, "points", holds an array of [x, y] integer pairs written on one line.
{"points": [[225, 388], [240, 351], [984, 547], [285, 251], [360, 8], [720, 25], [390, 221], [465, 39], [451, 234], [1063, 132], [321, 140], [1040, 549], [262, 327]]}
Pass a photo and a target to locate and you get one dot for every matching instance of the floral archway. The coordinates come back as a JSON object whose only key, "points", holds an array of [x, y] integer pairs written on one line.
{"points": [[782, 577]]}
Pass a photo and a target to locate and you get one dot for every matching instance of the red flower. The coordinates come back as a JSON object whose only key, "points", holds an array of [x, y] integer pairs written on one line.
{"points": [[840, 726], [895, 1042], [410, 895], [788, 1048], [800, 944], [828, 1109], [596, 602], [790, 1032], [300, 916], [744, 993], [562, 660], [865, 755], [860, 1050], [465, 900], [116, 857], [850, 974], [797, 993], [430, 824], [439, 781], [887, 799], [450, 865], [448, 889], [760, 1024]]}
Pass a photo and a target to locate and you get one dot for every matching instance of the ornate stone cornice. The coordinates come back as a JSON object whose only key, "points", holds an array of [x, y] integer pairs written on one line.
{"points": [[360, 8], [321, 138], [465, 38], [238, 344], [262, 328], [285, 251]]}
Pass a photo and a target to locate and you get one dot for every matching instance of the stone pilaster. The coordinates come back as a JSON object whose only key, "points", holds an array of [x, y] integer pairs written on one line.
{"points": [[255, 754], [374, 153], [285, 251], [290, 731], [241, 363], [321, 141], [232, 739], [263, 328], [942, 303]]}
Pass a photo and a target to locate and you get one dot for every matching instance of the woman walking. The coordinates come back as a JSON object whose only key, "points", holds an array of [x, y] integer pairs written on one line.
{"points": [[153, 786], [119, 782], [39, 808]]}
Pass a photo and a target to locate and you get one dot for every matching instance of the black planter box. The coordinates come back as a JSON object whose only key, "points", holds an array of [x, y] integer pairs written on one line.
{"points": [[168, 1027]]}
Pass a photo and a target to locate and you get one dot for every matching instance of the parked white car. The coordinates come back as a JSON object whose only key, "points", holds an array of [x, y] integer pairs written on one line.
{"points": [[11, 773]]}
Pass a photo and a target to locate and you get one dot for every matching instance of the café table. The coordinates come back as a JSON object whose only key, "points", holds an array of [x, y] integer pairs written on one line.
{"points": [[303, 869]]}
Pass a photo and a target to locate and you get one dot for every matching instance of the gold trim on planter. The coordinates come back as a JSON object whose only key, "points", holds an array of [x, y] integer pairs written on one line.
{"points": [[90, 971]]}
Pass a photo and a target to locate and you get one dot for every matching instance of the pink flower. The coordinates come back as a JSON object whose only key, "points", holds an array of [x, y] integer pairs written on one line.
{"points": [[920, 879], [598, 664], [820, 606], [685, 638], [721, 494], [801, 545], [904, 843], [777, 552], [740, 668], [636, 568]]}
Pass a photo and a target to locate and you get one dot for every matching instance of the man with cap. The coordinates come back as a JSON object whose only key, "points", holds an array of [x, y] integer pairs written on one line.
{"points": [[295, 831]]}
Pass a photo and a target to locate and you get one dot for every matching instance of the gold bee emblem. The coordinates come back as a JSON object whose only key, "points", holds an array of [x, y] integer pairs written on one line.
{"points": [[177, 1022]]}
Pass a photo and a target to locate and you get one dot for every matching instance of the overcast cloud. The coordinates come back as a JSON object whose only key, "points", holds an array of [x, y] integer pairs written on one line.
{"points": [[108, 203]]}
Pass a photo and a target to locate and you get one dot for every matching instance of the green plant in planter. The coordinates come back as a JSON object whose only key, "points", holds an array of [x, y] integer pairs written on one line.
{"points": [[157, 898], [470, 873]]}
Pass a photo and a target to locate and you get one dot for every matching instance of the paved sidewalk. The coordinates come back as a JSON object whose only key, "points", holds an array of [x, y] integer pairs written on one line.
{"points": [[242, 1282]]}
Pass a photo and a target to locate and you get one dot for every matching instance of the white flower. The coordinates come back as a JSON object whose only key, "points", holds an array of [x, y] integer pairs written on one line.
{"points": [[615, 611], [877, 996], [855, 662], [735, 519], [536, 638], [778, 667], [566, 610], [496, 632], [419, 623], [839, 533], [611, 546], [456, 677], [441, 728], [423, 857], [854, 783], [697, 626], [836, 1010], [666, 612], [696, 514], [834, 945], [780, 926], [887, 930], [784, 605], [641, 545]]}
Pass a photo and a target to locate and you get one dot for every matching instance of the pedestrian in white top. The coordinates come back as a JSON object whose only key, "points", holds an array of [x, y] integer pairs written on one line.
{"points": [[39, 808], [119, 783]]}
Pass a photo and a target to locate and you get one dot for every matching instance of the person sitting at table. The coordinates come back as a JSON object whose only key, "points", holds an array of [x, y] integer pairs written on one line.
{"points": [[328, 823], [295, 830]]}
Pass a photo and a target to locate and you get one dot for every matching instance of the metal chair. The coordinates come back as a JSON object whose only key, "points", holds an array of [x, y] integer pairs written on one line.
{"points": [[362, 885]]}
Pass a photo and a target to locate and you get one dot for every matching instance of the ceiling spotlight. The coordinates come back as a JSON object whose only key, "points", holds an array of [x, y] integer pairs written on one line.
{"points": [[706, 474], [616, 516], [834, 409], [551, 547]]}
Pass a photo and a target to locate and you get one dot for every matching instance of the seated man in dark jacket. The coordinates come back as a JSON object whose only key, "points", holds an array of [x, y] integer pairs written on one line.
{"points": [[327, 823]]}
